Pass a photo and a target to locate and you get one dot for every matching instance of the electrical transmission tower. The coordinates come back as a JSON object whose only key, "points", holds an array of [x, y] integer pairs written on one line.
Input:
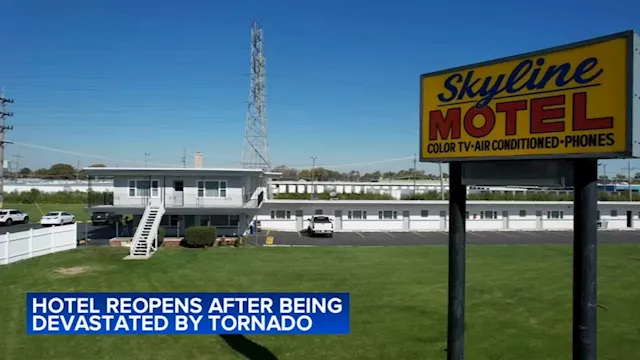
{"points": [[255, 153], [3, 130]]}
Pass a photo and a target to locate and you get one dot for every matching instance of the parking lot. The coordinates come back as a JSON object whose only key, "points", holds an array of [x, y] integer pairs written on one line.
{"points": [[100, 235], [279, 238]]}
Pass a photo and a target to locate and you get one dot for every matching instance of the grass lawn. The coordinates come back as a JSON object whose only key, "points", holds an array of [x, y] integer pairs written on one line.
{"points": [[518, 301], [36, 211]]}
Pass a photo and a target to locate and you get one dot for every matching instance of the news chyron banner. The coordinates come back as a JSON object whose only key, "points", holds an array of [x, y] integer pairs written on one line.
{"points": [[570, 101], [188, 313]]}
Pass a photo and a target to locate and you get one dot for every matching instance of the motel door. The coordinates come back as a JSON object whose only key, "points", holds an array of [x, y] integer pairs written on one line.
{"points": [[178, 193], [299, 220], [406, 225], [338, 217], [505, 219], [443, 220]]}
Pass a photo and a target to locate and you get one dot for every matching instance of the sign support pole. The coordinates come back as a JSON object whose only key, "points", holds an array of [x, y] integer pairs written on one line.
{"points": [[585, 234], [457, 249]]}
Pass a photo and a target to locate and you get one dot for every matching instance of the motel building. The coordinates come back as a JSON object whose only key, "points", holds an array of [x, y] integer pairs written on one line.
{"points": [[231, 199]]}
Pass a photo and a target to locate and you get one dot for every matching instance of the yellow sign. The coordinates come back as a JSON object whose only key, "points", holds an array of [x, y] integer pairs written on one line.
{"points": [[269, 240], [573, 101]]}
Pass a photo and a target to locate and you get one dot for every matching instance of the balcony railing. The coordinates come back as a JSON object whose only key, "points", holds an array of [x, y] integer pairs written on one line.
{"points": [[181, 202]]}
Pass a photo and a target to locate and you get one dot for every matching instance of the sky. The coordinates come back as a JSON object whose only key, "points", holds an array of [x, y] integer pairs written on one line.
{"points": [[110, 81]]}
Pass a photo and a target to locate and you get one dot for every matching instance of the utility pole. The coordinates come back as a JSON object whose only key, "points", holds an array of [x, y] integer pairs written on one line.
{"points": [[441, 181], [78, 171], [146, 156], [18, 157], [184, 158], [629, 168], [415, 160], [3, 128], [313, 177]]}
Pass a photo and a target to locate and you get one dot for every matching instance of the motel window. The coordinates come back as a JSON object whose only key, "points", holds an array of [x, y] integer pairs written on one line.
{"points": [[174, 220], [280, 214], [614, 213], [234, 220], [318, 212], [424, 213], [143, 188], [219, 220], [488, 214], [212, 189], [467, 215], [555, 214], [357, 214], [387, 214], [523, 213]]}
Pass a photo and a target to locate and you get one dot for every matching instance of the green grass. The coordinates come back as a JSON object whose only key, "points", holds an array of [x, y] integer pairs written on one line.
{"points": [[518, 300], [36, 211]]}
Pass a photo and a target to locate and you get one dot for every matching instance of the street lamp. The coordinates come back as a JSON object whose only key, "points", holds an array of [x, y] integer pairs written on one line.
{"points": [[146, 155]]}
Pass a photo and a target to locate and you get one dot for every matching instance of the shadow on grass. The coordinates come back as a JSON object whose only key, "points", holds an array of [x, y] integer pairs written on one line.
{"points": [[248, 348]]}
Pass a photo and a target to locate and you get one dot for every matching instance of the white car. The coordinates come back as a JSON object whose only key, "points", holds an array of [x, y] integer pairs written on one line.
{"points": [[320, 224], [11, 216], [57, 218]]}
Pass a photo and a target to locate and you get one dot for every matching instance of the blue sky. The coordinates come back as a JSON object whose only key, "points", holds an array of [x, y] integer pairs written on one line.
{"points": [[116, 79]]}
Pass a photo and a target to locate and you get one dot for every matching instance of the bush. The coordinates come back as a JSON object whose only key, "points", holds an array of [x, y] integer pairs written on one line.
{"points": [[200, 236]]}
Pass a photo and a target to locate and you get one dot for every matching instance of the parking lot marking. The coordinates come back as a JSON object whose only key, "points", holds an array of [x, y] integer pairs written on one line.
{"points": [[476, 234], [528, 233], [299, 234], [443, 232], [360, 234], [389, 234], [418, 234], [268, 231], [499, 233]]}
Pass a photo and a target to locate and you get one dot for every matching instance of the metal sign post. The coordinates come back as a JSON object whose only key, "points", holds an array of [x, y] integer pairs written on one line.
{"points": [[585, 233], [457, 262]]}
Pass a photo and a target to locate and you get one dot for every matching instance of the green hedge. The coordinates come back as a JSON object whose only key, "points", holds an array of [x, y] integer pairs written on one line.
{"points": [[60, 197], [200, 236]]}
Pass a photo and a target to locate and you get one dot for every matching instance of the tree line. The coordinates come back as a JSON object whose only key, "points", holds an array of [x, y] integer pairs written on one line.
{"points": [[62, 171], [322, 174], [58, 171], [106, 198]]}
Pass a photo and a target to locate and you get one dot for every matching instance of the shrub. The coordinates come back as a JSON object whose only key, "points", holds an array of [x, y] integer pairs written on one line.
{"points": [[200, 236]]}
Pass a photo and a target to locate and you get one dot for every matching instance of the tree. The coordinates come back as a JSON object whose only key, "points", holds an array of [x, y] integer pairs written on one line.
{"points": [[61, 171], [98, 165], [25, 171]]}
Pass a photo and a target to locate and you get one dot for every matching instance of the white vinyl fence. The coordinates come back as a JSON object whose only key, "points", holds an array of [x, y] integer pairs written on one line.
{"points": [[36, 242]]}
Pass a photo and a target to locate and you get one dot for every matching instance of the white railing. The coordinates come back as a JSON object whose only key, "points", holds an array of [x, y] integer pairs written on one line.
{"points": [[37, 242], [152, 238]]}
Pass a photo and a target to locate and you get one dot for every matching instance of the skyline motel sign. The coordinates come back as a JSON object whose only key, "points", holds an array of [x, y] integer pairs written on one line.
{"points": [[577, 100]]}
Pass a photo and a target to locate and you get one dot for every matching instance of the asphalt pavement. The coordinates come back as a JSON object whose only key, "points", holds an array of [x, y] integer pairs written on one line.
{"points": [[100, 235], [279, 238]]}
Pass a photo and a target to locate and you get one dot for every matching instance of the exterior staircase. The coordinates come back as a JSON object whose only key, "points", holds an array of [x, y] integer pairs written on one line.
{"points": [[144, 242]]}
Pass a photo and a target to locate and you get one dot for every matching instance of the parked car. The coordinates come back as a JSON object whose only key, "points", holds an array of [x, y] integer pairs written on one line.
{"points": [[103, 218], [11, 216], [320, 224], [57, 218]]}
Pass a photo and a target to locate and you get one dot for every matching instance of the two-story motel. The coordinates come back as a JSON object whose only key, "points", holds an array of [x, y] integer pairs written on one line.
{"points": [[178, 198]]}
